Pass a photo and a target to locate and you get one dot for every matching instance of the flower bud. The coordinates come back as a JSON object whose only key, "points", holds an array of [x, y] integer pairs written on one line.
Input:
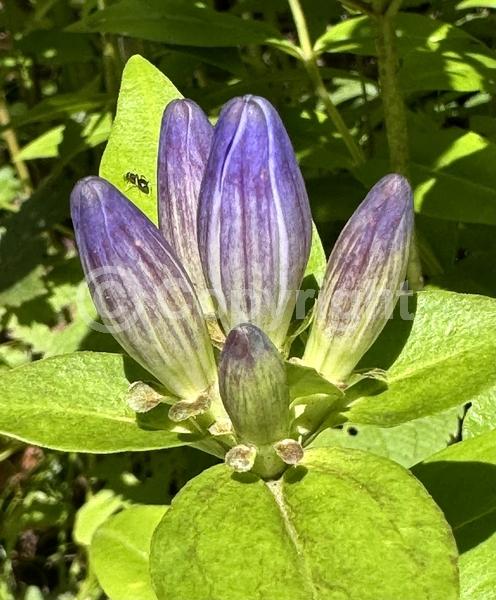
{"points": [[184, 146], [253, 386], [254, 221], [363, 279], [140, 290]]}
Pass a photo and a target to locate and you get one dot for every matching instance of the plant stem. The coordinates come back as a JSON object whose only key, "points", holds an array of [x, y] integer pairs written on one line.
{"points": [[111, 67], [10, 139], [394, 111], [394, 107], [310, 61]]}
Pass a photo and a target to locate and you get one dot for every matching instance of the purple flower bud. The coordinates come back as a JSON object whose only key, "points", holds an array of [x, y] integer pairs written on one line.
{"points": [[253, 386], [254, 222], [140, 290], [364, 275], [184, 146]]}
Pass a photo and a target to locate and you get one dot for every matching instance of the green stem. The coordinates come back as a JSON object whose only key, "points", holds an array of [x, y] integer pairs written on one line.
{"points": [[394, 111], [310, 61], [394, 107], [10, 139], [110, 55]]}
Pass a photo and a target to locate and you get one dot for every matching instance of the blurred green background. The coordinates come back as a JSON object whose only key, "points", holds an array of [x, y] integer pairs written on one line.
{"points": [[60, 67]]}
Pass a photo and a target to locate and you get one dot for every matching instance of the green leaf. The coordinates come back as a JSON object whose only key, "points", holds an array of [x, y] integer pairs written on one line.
{"points": [[447, 168], [462, 71], [64, 105], [306, 381], [95, 132], [119, 553], [45, 145], [414, 32], [344, 524], [133, 142], [481, 416], [442, 358], [461, 481], [55, 47], [175, 22], [435, 55], [76, 403], [93, 513], [476, 4], [317, 261], [406, 444], [26, 287]]}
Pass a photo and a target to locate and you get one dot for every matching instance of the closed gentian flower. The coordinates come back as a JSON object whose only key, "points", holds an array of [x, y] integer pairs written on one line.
{"points": [[364, 276], [253, 386], [140, 289], [254, 221], [184, 146]]}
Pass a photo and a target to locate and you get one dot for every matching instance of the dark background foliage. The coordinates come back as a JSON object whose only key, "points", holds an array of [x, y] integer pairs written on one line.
{"points": [[60, 68]]}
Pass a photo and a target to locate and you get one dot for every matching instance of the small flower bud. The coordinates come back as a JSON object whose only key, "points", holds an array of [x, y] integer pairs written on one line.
{"points": [[253, 386], [363, 279], [254, 221], [184, 146]]}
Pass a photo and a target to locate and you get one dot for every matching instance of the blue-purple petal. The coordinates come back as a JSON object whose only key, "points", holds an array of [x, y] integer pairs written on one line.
{"points": [[254, 223], [253, 386], [364, 275], [140, 289], [184, 146]]}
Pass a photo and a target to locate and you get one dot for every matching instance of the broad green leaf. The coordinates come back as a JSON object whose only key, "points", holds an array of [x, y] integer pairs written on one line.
{"points": [[476, 4], [441, 354], [413, 31], [460, 70], [96, 131], [175, 22], [461, 481], [45, 145], [344, 524], [28, 323], [133, 142], [465, 255], [93, 513], [481, 416], [451, 173], [76, 402], [406, 444], [119, 553], [26, 287], [435, 55]]}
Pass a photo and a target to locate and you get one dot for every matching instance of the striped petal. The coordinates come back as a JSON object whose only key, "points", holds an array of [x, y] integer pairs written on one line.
{"points": [[140, 289], [364, 275], [253, 386], [254, 226], [184, 146]]}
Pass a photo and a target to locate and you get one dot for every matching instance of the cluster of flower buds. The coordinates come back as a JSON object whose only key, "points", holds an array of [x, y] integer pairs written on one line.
{"points": [[233, 243]]}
